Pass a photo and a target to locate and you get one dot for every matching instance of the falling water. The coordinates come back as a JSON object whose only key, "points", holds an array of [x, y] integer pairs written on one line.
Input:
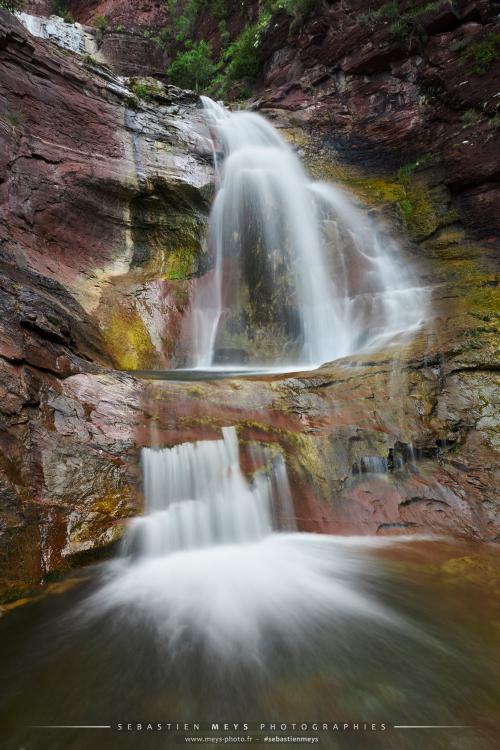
{"points": [[213, 560], [197, 496], [290, 256]]}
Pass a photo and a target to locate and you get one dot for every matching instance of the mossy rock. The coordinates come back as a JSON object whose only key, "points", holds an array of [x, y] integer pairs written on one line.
{"points": [[128, 340]]}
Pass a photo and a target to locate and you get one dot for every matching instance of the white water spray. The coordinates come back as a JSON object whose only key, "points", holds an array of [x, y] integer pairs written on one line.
{"points": [[346, 289], [207, 564], [197, 496]]}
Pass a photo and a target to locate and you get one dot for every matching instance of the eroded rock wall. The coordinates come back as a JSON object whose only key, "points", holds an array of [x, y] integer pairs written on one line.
{"points": [[103, 198]]}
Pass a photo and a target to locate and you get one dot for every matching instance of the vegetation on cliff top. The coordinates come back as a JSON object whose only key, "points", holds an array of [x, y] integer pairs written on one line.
{"points": [[11, 5], [239, 59]]}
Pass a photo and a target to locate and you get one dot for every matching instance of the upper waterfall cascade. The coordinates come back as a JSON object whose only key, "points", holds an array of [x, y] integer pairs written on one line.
{"points": [[300, 275]]}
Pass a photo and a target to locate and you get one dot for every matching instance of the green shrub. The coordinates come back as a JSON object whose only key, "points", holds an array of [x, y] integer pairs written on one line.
{"points": [[61, 8], [459, 44], [193, 68], [99, 22], [298, 9], [89, 60], [494, 122], [12, 5], [243, 58], [407, 171], [14, 118], [483, 54], [184, 13], [144, 91], [243, 55], [410, 22], [470, 117], [403, 23], [386, 12], [224, 34]]}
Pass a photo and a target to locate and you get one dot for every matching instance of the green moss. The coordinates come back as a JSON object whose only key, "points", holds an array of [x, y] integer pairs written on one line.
{"points": [[211, 422], [483, 300], [375, 189], [420, 208], [109, 503], [128, 340], [178, 264], [302, 451]]}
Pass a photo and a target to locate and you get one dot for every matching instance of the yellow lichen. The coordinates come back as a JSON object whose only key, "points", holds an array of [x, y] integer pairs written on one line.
{"points": [[128, 340]]}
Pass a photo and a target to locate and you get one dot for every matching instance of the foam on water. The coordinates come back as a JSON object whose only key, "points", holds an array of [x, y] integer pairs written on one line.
{"points": [[213, 560]]}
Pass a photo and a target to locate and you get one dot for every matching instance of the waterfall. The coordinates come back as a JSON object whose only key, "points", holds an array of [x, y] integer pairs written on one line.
{"points": [[197, 496], [206, 565], [300, 275]]}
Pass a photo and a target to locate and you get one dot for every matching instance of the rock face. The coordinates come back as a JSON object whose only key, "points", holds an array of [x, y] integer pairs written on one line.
{"points": [[103, 199], [388, 86], [391, 90], [72, 36]]}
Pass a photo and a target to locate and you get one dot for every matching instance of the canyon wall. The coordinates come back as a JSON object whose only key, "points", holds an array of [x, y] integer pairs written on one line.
{"points": [[104, 191]]}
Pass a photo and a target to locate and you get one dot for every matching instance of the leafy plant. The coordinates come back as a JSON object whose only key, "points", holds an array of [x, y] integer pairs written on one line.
{"points": [[410, 23], [193, 68], [406, 172], [144, 91], [224, 33], [243, 55], [494, 122], [403, 23], [470, 117], [89, 60], [298, 9], [99, 22], [243, 58], [61, 8], [389, 11], [184, 13], [459, 44], [483, 54], [12, 5], [14, 118]]}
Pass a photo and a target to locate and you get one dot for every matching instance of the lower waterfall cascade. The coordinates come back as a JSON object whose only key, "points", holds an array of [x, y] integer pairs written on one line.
{"points": [[218, 555], [197, 496]]}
